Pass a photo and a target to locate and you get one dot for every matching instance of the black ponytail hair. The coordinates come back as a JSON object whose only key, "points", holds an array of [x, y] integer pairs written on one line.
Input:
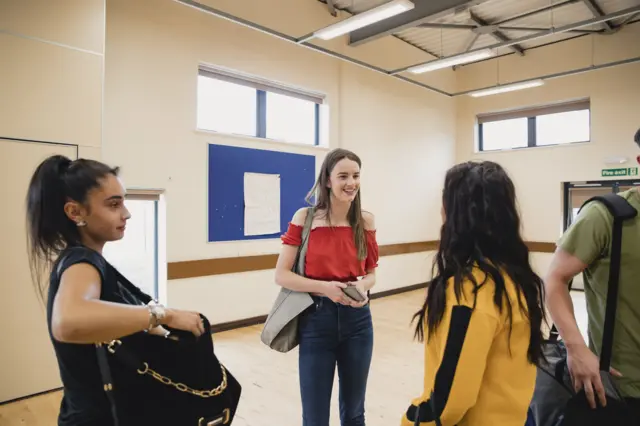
{"points": [[56, 181]]}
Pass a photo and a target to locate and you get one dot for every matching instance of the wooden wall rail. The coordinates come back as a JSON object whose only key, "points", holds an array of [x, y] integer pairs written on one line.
{"points": [[230, 265]]}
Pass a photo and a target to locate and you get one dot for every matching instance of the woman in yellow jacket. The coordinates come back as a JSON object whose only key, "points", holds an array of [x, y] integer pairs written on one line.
{"points": [[484, 309]]}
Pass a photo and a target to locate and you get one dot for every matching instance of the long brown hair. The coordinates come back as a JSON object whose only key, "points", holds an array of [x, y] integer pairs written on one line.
{"points": [[320, 197]]}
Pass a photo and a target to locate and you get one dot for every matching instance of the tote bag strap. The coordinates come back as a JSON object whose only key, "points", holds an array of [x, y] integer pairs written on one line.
{"points": [[299, 263]]}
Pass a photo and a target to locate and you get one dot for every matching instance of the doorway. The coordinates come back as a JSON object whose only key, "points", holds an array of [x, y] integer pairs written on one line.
{"points": [[27, 361], [575, 195], [138, 256]]}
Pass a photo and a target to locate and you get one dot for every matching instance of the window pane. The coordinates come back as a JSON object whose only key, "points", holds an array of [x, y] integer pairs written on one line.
{"points": [[291, 119], [226, 107], [135, 255], [563, 127], [505, 134]]}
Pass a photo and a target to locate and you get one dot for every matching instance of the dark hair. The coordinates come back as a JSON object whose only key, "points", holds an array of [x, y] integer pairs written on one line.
{"points": [[636, 138], [322, 199], [482, 229], [56, 181]]}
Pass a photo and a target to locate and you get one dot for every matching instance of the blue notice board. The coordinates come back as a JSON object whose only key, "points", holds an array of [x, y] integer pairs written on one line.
{"points": [[227, 166]]}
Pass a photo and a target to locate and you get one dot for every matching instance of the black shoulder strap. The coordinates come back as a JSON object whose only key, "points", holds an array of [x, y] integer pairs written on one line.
{"points": [[621, 211], [107, 380]]}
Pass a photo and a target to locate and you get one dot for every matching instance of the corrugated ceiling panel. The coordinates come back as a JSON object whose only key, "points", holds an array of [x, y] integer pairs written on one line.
{"points": [[484, 41], [499, 10], [548, 40], [610, 6], [564, 15], [439, 42]]}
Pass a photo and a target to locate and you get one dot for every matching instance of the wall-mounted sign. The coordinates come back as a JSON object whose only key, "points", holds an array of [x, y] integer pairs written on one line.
{"points": [[625, 171]]}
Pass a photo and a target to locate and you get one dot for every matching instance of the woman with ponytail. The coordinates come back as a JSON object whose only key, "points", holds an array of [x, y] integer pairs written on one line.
{"points": [[483, 313], [73, 209]]}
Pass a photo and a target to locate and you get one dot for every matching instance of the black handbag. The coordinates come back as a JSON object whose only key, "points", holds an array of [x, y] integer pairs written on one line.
{"points": [[555, 403], [156, 380]]}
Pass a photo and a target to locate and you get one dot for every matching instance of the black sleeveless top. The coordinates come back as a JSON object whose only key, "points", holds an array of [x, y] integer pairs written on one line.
{"points": [[84, 402]]}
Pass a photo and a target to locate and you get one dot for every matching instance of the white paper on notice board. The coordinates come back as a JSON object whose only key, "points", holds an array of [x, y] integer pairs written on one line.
{"points": [[261, 204]]}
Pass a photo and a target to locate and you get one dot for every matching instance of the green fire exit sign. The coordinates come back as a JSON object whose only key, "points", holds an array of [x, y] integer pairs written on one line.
{"points": [[630, 171]]}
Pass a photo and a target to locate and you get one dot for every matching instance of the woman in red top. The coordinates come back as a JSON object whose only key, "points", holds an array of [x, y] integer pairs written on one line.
{"points": [[336, 330]]}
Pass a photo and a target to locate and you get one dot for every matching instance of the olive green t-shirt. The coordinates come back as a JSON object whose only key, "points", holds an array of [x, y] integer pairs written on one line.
{"points": [[588, 239]]}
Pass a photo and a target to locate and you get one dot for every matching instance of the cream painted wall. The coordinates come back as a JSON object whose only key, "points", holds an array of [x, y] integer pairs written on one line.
{"points": [[51, 74], [539, 172], [405, 136], [51, 69]]}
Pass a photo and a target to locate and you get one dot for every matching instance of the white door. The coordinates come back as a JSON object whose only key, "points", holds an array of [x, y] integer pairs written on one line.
{"points": [[27, 361]]}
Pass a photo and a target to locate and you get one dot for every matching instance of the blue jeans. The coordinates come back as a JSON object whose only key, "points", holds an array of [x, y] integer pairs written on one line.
{"points": [[333, 334]]}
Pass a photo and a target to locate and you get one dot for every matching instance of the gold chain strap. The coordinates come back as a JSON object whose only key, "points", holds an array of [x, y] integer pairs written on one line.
{"points": [[180, 386]]}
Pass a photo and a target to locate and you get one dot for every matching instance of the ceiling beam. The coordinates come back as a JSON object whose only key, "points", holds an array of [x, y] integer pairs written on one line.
{"points": [[425, 10], [472, 41], [505, 28], [629, 20], [597, 12], [496, 33], [552, 31]]}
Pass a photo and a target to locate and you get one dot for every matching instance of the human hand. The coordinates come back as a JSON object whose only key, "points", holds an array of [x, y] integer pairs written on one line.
{"points": [[584, 367], [333, 290], [184, 320]]}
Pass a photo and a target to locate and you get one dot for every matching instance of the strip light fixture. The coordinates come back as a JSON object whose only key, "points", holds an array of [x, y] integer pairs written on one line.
{"points": [[452, 61], [363, 19], [507, 88]]}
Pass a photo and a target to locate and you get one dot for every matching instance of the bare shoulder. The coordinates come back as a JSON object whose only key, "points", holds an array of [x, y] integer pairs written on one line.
{"points": [[300, 216], [369, 220], [81, 279]]}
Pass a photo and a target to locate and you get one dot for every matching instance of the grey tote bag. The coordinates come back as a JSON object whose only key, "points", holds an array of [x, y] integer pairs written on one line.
{"points": [[280, 331]]}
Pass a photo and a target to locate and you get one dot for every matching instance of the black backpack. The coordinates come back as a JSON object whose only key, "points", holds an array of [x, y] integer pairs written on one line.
{"points": [[555, 403]]}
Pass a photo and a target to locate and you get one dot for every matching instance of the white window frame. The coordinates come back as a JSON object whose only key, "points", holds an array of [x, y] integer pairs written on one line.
{"points": [[262, 86], [531, 114]]}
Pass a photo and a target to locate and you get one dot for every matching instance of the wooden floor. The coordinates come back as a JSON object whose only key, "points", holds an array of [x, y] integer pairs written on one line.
{"points": [[270, 379]]}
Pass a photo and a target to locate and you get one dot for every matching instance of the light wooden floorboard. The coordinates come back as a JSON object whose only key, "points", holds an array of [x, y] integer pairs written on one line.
{"points": [[270, 379]]}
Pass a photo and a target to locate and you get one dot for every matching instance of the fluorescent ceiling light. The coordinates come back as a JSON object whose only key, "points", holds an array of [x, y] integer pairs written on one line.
{"points": [[454, 60], [507, 88], [363, 19]]}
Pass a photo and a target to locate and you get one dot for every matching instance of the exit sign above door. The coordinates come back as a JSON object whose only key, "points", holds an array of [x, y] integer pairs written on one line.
{"points": [[625, 171]]}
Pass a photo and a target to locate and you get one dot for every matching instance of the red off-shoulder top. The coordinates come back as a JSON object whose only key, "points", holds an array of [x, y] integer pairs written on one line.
{"points": [[331, 252]]}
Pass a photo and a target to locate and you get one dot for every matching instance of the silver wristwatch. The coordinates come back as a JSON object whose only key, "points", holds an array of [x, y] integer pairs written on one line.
{"points": [[157, 314]]}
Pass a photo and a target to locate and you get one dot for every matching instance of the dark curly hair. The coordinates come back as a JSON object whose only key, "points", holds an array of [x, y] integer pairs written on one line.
{"points": [[482, 228]]}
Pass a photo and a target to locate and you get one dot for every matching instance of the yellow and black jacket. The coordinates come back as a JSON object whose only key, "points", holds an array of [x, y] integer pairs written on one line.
{"points": [[475, 373]]}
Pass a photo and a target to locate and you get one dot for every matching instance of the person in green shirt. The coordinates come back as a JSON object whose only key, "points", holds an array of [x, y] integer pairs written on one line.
{"points": [[585, 247]]}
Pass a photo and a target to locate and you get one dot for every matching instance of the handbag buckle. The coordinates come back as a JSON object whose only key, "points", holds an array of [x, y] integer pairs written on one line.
{"points": [[223, 419], [111, 347]]}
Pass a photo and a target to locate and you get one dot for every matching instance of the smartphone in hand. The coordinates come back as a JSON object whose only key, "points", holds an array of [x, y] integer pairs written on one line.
{"points": [[353, 292]]}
